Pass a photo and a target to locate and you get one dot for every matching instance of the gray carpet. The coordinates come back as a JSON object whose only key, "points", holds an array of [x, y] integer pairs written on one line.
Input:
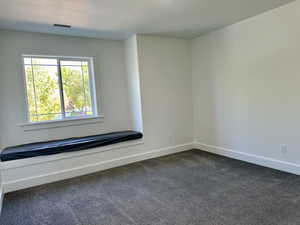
{"points": [[188, 188]]}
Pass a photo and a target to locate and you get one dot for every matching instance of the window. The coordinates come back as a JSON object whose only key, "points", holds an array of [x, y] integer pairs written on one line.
{"points": [[59, 88]]}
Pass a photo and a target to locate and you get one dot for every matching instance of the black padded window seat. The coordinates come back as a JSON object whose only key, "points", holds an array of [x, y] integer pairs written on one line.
{"points": [[67, 145]]}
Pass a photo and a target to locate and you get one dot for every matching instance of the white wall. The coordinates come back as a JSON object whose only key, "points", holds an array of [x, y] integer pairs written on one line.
{"points": [[110, 78], [164, 66], [165, 93], [1, 133], [246, 85], [164, 74], [1, 192], [133, 82], [240, 84]]}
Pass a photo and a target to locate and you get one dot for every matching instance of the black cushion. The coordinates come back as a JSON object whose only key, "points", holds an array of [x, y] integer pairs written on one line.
{"points": [[67, 145]]}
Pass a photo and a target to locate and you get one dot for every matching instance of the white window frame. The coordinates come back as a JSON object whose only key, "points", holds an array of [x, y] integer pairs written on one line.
{"points": [[92, 89]]}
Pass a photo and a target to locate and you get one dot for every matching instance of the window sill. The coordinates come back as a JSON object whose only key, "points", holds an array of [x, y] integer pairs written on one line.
{"points": [[61, 123]]}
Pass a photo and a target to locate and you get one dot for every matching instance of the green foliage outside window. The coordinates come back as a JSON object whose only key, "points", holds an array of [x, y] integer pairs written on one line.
{"points": [[44, 91]]}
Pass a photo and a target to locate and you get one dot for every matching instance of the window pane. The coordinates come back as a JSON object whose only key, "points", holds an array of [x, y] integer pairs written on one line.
{"points": [[44, 89], [27, 61], [76, 86], [44, 61], [86, 78], [43, 93], [70, 63], [30, 92]]}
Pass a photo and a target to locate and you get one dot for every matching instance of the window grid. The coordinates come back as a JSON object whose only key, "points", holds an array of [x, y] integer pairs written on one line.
{"points": [[88, 110], [61, 88]]}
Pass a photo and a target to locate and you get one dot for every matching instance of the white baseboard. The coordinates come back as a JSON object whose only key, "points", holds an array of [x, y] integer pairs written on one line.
{"points": [[255, 159], [90, 168]]}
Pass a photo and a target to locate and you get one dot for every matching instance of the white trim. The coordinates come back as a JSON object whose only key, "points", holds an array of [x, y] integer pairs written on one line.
{"points": [[90, 168], [251, 158], [61, 123], [74, 58], [93, 92], [92, 83]]}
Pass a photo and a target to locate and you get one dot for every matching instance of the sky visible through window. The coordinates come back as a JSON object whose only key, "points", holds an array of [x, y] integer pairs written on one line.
{"points": [[57, 88]]}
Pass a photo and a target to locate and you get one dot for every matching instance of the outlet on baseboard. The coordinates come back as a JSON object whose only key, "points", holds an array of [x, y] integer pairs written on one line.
{"points": [[284, 149]]}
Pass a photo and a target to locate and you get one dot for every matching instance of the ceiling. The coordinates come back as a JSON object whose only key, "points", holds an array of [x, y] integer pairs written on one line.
{"points": [[118, 19]]}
